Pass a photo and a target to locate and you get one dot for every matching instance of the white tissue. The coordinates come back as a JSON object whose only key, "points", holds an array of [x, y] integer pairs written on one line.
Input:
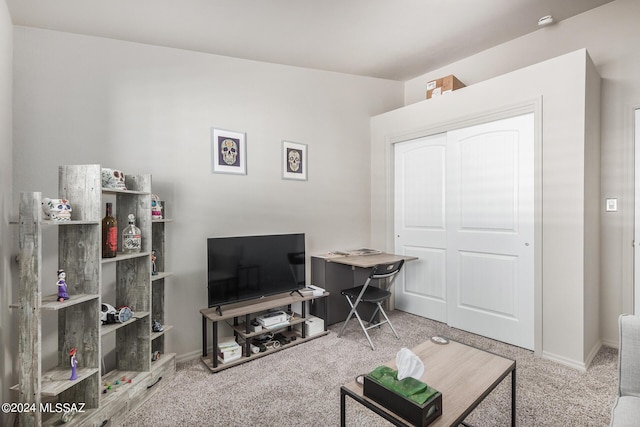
{"points": [[409, 365]]}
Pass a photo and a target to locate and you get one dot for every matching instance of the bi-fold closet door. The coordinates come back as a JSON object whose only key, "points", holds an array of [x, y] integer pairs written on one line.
{"points": [[464, 205]]}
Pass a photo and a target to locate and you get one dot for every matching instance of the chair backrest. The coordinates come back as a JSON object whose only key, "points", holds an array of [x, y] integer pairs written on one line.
{"points": [[382, 271], [629, 355]]}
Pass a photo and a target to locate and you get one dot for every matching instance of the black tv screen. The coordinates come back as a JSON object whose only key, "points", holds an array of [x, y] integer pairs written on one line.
{"points": [[248, 267]]}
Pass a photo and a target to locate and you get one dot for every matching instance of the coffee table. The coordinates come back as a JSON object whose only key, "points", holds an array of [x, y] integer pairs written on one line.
{"points": [[464, 375]]}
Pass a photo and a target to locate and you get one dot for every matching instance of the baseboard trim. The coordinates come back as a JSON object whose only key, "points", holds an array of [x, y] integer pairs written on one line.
{"points": [[612, 344], [592, 354], [580, 366], [188, 357]]}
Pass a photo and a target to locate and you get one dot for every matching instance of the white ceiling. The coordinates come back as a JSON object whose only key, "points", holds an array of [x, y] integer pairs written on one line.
{"points": [[392, 39]]}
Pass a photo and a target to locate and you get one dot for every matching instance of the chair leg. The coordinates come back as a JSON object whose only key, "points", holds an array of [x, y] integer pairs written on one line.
{"points": [[364, 329], [388, 321], [344, 326], [351, 314]]}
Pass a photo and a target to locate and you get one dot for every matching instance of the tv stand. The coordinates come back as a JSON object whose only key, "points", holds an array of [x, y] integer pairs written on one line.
{"points": [[246, 309], [296, 291]]}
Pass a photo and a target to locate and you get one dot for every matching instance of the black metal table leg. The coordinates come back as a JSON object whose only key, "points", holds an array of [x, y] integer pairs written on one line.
{"points": [[342, 408], [304, 314], [204, 336], [513, 397], [247, 341], [215, 344], [326, 312]]}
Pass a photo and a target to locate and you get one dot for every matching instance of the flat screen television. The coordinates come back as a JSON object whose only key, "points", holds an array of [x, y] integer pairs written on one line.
{"points": [[249, 267]]}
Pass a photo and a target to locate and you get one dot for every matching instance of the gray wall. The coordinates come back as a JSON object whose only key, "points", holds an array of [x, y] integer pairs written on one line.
{"points": [[7, 346], [147, 109], [611, 34]]}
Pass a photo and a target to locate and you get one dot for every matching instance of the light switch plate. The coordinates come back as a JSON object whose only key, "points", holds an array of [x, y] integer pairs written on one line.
{"points": [[611, 205]]}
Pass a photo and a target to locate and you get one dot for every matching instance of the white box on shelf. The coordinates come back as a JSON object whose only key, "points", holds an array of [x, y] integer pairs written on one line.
{"points": [[225, 342], [313, 326], [271, 319], [228, 349], [229, 353]]}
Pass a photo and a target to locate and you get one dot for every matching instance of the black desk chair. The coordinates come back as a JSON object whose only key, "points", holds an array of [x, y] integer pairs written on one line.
{"points": [[372, 295]]}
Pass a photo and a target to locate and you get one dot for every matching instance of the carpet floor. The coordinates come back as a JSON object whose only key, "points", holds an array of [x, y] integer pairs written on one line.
{"points": [[300, 385]]}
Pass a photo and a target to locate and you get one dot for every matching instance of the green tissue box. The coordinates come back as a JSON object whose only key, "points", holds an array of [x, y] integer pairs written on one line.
{"points": [[410, 399]]}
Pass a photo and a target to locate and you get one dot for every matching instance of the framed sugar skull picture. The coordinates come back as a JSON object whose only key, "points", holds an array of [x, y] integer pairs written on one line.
{"points": [[294, 160], [228, 152]]}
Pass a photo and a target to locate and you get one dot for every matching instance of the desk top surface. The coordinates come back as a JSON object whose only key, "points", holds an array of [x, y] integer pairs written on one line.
{"points": [[367, 261], [463, 374]]}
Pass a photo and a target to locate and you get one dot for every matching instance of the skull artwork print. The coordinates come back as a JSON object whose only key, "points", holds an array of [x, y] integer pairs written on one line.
{"points": [[228, 153], [294, 160], [294, 165]]}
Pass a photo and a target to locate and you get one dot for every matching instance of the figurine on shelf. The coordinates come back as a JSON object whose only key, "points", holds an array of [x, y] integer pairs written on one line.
{"points": [[74, 363], [156, 207], [154, 269], [62, 286], [113, 178], [156, 326], [56, 209]]}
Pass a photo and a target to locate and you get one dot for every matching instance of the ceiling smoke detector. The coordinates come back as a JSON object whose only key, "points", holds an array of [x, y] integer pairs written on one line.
{"points": [[545, 20]]}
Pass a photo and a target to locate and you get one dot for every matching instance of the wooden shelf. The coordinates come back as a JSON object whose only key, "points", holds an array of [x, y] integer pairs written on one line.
{"points": [[112, 327], [240, 329], [161, 275], [51, 303], [255, 306], [122, 256], [116, 191], [166, 328], [207, 360], [56, 380], [161, 363], [53, 420], [71, 222], [155, 221]]}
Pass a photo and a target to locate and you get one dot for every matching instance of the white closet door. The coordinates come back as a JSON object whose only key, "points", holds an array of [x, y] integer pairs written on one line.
{"points": [[464, 205], [420, 226], [490, 235], [636, 237]]}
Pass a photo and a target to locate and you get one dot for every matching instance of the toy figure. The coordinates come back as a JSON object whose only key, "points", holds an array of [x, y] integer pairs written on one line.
{"points": [[154, 270], [62, 286], [156, 207], [74, 363]]}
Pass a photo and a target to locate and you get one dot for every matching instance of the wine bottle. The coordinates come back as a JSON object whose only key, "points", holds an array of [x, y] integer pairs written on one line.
{"points": [[109, 235], [131, 237]]}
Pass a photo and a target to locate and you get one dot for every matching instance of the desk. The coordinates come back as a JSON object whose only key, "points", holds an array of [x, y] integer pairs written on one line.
{"points": [[368, 261], [335, 273], [464, 375]]}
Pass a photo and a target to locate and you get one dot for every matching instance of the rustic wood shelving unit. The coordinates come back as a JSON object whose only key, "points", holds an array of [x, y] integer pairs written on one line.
{"points": [[79, 325]]}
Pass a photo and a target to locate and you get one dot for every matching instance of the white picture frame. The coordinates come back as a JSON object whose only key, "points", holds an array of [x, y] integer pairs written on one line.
{"points": [[294, 161], [228, 152]]}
